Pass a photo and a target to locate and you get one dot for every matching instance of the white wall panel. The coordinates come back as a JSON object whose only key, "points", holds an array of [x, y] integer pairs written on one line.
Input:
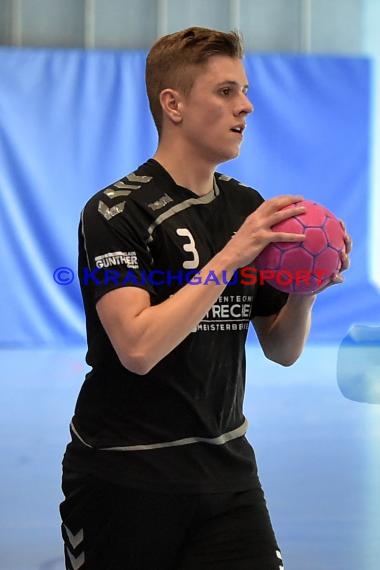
{"points": [[5, 21], [336, 26], [207, 13], [125, 24], [52, 22], [271, 25]]}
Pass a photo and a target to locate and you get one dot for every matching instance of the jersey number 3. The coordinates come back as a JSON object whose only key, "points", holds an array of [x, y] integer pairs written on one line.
{"points": [[189, 247]]}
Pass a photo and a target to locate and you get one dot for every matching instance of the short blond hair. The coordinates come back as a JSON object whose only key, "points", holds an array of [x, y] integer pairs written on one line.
{"points": [[173, 60]]}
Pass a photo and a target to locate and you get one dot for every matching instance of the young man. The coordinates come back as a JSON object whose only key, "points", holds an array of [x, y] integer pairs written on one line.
{"points": [[159, 474]]}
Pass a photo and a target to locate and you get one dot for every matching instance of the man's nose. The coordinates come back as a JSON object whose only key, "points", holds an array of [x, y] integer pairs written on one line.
{"points": [[246, 106]]}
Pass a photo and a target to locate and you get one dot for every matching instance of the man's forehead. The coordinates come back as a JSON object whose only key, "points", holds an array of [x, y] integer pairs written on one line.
{"points": [[224, 69]]}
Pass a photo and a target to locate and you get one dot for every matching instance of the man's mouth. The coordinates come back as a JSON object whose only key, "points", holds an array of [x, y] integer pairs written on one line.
{"points": [[238, 129]]}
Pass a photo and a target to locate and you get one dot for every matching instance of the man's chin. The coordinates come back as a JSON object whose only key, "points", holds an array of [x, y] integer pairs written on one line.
{"points": [[231, 155]]}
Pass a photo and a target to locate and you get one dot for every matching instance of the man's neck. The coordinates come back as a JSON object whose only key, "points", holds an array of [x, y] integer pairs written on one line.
{"points": [[192, 174]]}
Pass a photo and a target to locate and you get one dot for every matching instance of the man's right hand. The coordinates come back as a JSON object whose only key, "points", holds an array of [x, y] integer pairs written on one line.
{"points": [[256, 231]]}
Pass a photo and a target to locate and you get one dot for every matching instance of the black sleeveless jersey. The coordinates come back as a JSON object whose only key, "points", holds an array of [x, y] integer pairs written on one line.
{"points": [[180, 427]]}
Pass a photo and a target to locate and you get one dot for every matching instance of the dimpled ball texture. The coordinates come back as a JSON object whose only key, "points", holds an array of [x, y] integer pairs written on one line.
{"points": [[304, 267]]}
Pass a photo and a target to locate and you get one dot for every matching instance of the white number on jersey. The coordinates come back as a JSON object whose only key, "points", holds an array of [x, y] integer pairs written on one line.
{"points": [[189, 247]]}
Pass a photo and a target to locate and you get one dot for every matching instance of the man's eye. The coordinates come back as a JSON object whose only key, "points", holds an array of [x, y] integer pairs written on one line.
{"points": [[226, 90]]}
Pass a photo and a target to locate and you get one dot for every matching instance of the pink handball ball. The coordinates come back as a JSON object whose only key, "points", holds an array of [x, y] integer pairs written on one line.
{"points": [[304, 267]]}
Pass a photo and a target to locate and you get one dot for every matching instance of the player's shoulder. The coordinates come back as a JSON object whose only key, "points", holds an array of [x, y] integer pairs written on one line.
{"points": [[126, 193], [235, 187]]}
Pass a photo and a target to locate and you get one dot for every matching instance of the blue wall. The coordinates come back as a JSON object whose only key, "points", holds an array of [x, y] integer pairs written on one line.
{"points": [[73, 121]]}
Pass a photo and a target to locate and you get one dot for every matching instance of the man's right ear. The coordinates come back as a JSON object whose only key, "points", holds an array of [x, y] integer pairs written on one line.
{"points": [[171, 105]]}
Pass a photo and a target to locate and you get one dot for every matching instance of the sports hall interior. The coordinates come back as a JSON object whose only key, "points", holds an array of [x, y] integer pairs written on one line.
{"points": [[73, 118]]}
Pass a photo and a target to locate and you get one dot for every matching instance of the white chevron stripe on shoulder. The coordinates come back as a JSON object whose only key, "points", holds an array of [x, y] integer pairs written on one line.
{"points": [[121, 184], [74, 539], [76, 562], [109, 213], [110, 193], [134, 178]]}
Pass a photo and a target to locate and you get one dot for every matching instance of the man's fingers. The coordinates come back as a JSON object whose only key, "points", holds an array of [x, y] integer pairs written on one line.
{"points": [[348, 243], [279, 202], [287, 237], [345, 261], [285, 214], [286, 199], [280, 208]]}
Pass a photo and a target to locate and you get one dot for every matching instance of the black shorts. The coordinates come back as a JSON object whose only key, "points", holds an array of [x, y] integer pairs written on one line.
{"points": [[106, 526]]}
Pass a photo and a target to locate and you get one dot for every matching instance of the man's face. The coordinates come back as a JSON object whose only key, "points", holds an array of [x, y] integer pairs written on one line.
{"points": [[214, 112]]}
